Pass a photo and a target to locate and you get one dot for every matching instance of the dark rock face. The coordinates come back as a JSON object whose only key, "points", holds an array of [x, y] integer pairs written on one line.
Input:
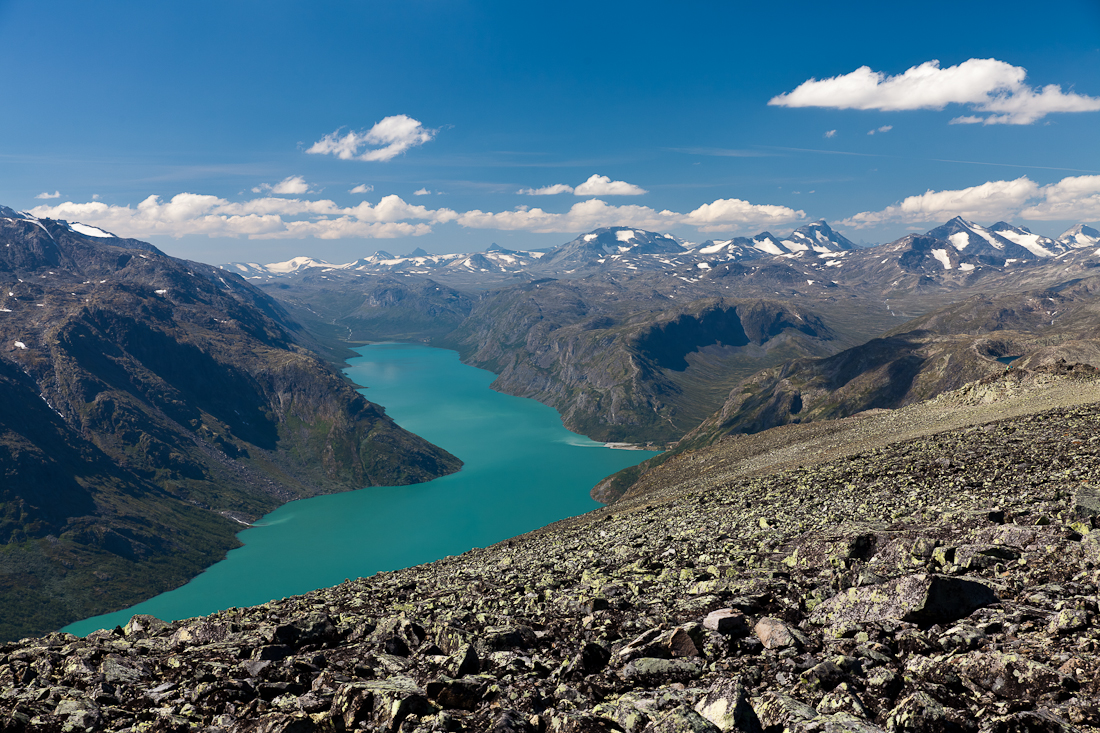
{"points": [[146, 403], [626, 364], [843, 597]]}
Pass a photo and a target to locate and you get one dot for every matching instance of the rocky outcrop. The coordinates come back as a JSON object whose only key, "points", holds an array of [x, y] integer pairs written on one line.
{"points": [[946, 583], [630, 365]]}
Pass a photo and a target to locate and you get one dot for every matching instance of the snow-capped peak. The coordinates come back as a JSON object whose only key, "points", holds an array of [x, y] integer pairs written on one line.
{"points": [[1080, 235]]}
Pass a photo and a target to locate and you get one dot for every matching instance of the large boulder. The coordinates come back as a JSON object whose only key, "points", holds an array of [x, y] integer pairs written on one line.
{"points": [[726, 704], [923, 599]]}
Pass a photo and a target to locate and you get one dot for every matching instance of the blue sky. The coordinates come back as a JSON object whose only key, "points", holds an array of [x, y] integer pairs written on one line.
{"points": [[639, 113]]}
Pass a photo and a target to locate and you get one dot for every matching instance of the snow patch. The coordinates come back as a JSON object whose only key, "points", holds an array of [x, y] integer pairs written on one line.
{"points": [[987, 236], [941, 255], [295, 264], [590, 237], [90, 231], [715, 247], [624, 235], [160, 292], [959, 240], [1030, 242], [965, 266], [766, 245], [20, 345], [703, 266]]}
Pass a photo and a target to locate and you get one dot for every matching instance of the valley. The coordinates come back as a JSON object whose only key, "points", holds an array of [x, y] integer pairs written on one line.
{"points": [[894, 427], [195, 390]]}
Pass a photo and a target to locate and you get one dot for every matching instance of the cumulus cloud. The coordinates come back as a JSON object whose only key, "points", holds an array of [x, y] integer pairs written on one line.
{"points": [[726, 214], [581, 216], [389, 138], [990, 200], [721, 215], [270, 217], [262, 218], [884, 128], [830, 133], [45, 195], [598, 185], [362, 188], [988, 86], [291, 185], [1075, 198], [421, 192], [546, 190]]}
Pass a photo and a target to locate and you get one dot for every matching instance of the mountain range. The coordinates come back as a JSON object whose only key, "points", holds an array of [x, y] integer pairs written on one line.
{"points": [[573, 326], [610, 248]]}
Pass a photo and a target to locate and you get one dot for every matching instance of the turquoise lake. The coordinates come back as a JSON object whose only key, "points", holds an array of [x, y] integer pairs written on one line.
{"points": [[522, 470]]}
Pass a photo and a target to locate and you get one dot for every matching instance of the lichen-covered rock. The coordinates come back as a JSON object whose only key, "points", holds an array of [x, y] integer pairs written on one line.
{"points": [[726, 705], [682, 720], [1013, 676], [919, 713], [653, 672], [924, 598]]}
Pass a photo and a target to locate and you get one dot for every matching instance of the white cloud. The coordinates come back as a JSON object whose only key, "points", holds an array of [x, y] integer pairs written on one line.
{"points": [[269, 217], [1071, 199], [726, 214], [598, 185], [884, 128], [44, 195], [987, 85], [291, 185], [546, 190], [362, 188], [1076, 198], [421, 192], [386, 140], [830, 133], [721, 215], [582, 216], [261, 218]]}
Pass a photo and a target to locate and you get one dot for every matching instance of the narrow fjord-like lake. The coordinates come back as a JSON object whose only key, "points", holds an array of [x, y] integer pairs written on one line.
{"points": [[522, 470]]}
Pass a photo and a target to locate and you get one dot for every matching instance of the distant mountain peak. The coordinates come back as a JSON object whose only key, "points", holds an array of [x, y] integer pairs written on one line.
{"points": [[1080, 235]]}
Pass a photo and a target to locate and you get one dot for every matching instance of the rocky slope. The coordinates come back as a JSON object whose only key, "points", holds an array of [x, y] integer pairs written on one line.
{"points": [[925, 357], [622, 363], [943, 583], [148, 403]]}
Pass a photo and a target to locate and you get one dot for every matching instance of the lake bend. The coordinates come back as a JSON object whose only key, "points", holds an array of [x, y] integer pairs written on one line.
{"points": [[523, 470]]}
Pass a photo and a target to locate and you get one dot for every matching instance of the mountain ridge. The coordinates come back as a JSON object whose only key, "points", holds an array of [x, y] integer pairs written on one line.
{"points": [[173, 396]]}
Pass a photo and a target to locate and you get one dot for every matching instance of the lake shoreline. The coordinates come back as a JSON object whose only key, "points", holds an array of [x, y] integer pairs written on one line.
{"points": [[523, 471]]}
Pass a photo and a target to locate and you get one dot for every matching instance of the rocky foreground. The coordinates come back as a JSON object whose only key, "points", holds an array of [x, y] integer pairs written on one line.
{"points": [[946, 583]]}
